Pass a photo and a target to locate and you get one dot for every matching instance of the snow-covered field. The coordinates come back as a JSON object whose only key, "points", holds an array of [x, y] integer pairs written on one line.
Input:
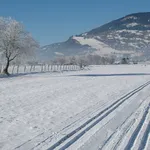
{"points": [[105, 107]]}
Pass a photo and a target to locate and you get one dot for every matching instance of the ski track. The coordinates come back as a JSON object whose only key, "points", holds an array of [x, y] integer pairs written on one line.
{"points": [[117, 103], [142, 137], [119, 139], [115, 138], [148, 143], [88, 113], [137, 130], [145, 139]]}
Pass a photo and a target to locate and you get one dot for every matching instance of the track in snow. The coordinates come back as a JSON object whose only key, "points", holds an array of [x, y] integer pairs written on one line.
{"points": [[137, 131], [74, 135], [145, 139], [133, 132]]}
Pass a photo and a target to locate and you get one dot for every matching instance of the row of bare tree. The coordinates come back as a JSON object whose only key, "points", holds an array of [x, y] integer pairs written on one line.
{"points": [[91, 59]]}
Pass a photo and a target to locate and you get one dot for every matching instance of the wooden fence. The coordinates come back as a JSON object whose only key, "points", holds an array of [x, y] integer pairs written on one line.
{"points": [[17, 69]]}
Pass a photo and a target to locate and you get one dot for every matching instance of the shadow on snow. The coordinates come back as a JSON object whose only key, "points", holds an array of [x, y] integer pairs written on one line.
{"points": [[80, 75], [20, 74], [111, 75]]}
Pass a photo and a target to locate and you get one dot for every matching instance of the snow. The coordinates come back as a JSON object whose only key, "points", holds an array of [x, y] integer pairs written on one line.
{"points": [[44, 48], [133, 45], [122, 42], [92, 43], [102, 48], [129, 31], [38, 110], [146, 25], [84, 34], [132, 24], [59, 54], [129, 17]]}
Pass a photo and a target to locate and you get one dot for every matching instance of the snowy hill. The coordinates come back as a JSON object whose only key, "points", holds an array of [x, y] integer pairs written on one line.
{"points": [[127, 35]]}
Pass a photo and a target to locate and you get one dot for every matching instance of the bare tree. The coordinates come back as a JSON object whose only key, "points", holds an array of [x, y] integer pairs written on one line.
{"points": [[82, 61], [61, 60], [72, 60], [15, 42]]}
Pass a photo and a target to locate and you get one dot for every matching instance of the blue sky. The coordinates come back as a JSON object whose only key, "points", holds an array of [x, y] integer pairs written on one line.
{"points": [[52, 21]]}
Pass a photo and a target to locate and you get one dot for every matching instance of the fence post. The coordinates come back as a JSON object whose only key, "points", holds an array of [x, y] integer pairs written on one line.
{"points": [[13, 69], [31, 69], [54, 68], [34, 68], [59, 67], [25, 69], [0, 68], [45, 67], [41, 68], [48, 67], [17, 69], [51, 67]]}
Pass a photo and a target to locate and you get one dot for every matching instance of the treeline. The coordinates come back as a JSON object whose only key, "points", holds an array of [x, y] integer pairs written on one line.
{"points": [[83, 60]]}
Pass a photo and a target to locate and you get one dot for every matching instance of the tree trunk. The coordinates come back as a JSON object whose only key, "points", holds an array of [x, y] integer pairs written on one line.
{"points": [[5, 71]]}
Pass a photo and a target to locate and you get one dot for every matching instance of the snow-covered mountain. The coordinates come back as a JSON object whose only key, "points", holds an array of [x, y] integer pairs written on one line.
{"points": [[127, 35]]}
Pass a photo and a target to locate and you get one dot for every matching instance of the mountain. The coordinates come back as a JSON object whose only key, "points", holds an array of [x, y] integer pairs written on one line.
{"points": [[128, 35]]}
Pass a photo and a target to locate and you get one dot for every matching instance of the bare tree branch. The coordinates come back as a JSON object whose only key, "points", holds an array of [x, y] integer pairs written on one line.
{"points": [[15, 41]]}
